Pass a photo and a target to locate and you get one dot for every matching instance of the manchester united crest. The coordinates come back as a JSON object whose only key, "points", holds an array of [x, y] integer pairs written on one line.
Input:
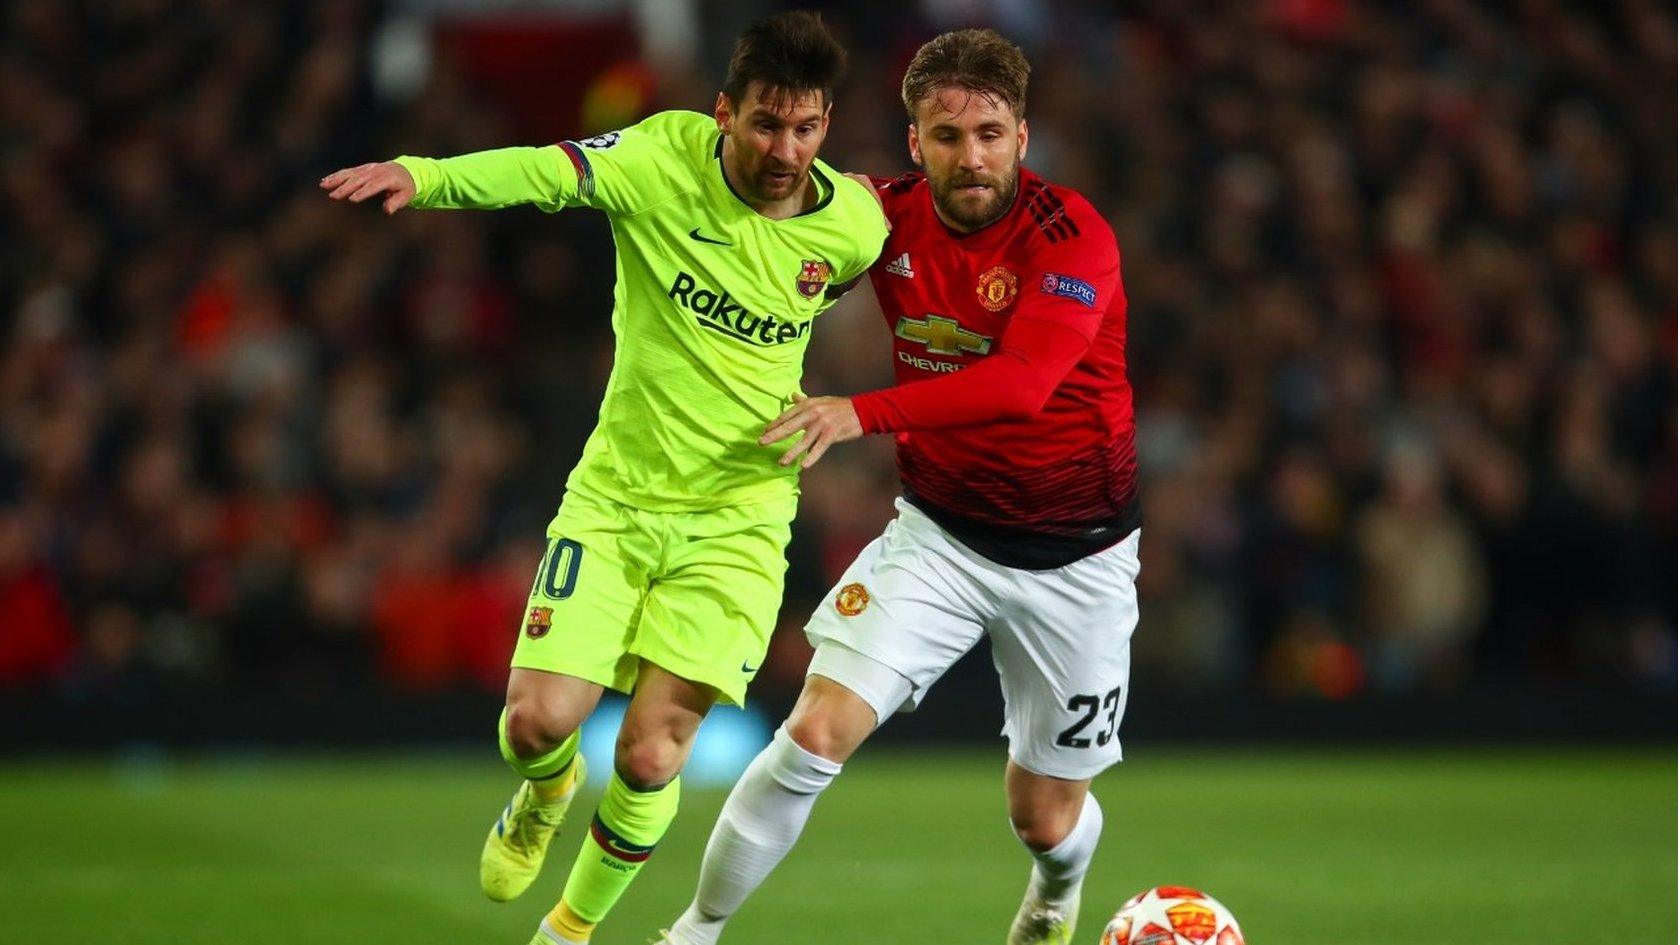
{"points": [[851, 600], [538, 621], [997, 288], [813, 277]]}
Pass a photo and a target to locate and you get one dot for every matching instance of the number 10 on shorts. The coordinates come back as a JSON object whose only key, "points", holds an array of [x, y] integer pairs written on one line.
{"points": [[557, 577]]}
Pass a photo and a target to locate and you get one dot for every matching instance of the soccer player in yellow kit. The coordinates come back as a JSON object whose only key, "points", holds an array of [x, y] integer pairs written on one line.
{"points": [[664, 567]]}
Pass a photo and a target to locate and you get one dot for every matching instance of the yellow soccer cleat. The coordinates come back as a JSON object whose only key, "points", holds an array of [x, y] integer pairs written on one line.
{"points": [[1038, 923], [513, 852]]}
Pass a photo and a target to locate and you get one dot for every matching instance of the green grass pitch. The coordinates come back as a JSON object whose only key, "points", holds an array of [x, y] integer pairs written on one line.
{"points": [[1468, 847]]}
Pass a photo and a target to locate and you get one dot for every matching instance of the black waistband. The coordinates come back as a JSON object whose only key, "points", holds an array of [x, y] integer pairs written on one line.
{"points": [[1033, 549]]}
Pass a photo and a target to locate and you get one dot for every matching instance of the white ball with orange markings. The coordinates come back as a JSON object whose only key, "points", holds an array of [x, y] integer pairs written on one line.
{"points": [[1172, 915]]}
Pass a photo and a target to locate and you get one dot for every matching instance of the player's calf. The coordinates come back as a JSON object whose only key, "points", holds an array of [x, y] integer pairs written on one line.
{"points": [[537, 735], [514, 850], [1060, 823]]}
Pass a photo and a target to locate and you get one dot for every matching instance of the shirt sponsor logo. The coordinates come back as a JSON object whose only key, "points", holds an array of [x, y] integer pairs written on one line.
{"points": [[813, 276], [1069, 288], [720, 312], [942, 335], [997, 288], [929, 364]]}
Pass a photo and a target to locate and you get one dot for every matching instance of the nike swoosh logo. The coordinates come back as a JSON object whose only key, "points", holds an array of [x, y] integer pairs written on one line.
{"points": [[748, 669], [694, 234]]}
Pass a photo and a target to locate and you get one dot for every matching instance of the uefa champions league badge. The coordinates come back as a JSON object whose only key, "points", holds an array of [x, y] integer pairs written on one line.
{"points": [[600, 142], [813, 277], [997, 288]]}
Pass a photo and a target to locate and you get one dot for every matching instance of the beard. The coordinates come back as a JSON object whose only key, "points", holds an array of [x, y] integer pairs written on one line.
{"points": [[973, 209], [767, 186]]}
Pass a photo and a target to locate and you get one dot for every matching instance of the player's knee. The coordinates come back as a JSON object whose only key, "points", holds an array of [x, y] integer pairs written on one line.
{"points": [[830, 721], [819, 734], [1040, 830], [532, 731], [646, 764]]}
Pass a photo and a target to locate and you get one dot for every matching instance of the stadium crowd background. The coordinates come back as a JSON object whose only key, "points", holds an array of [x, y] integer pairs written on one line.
{"points": [[1402, 285]]}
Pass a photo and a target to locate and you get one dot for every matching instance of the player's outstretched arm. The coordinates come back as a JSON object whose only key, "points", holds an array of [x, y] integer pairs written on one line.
{"points": [[483, 180], [358, 183]]}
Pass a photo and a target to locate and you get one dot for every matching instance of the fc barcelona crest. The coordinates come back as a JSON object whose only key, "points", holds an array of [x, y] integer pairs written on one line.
{"points": [[538, 621], [813, 277], [997, 288]]}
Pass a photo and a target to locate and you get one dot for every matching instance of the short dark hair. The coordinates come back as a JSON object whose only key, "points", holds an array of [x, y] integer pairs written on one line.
{"points": [[980, 61], [790, 53]]}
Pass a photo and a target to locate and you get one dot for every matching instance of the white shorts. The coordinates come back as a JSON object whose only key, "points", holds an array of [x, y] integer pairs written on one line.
{"points": [[916, 600]]}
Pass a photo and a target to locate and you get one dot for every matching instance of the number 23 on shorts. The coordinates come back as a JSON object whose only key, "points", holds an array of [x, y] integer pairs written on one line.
{"points": [[1076, 736]]}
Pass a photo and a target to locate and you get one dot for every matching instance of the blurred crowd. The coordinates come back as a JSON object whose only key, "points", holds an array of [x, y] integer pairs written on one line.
{"points": [[1402, 333]]}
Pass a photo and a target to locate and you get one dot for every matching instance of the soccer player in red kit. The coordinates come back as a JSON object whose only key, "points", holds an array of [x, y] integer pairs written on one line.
{"points": [[1019, 520]]}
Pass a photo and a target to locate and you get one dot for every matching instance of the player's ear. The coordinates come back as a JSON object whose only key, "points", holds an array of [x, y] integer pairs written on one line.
{"points": [[915, 146], [1021, 141], [724, 112]]}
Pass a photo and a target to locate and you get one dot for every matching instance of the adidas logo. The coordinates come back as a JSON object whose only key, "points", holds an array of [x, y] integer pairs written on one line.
{"points": [[901, 267]]}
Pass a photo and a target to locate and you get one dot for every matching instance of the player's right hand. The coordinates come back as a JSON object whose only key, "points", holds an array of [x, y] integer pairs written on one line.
{"points": [[358, 183]]}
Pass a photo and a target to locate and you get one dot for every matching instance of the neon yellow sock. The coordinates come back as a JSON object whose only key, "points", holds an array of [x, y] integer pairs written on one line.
{"points": [[627, 826], [542, 768], [563, 920]]}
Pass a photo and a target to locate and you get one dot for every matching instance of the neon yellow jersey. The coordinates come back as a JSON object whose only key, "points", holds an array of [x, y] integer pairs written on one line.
{"points": [[713, 306]]}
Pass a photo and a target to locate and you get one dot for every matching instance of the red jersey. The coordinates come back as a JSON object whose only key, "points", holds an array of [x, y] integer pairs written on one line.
{"points": [[1012, 414]]}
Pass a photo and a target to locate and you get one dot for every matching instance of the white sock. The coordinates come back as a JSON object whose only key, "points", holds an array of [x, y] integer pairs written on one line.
{"points": [[1058, 872], [758, 825]]}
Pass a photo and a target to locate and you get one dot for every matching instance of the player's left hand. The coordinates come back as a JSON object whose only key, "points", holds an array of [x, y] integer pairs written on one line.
{"points": [[825, 421]]}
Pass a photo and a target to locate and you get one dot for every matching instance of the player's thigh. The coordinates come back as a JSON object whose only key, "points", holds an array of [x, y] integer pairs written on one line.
{"points": [[587, 596], [912, 601], [712, 606], [845, 698], [1062, 646], [544, 708]]}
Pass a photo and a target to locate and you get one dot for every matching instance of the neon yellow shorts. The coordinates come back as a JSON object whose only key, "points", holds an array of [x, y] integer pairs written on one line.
{"points": [[695, 593]]}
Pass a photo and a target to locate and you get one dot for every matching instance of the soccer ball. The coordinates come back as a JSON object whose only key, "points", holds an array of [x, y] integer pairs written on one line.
{"points": [[1172, 915]]}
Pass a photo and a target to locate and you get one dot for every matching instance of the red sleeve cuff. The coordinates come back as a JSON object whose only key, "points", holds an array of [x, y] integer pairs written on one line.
{"points": [[871, 410]]}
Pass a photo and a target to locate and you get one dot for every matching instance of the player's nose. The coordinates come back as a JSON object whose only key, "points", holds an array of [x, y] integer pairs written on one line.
{"points": [[784, 148]]}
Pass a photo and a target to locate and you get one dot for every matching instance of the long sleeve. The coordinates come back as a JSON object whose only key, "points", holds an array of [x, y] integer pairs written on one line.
{"points": [[487, 180], [621, 172], [1013, 384]]}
